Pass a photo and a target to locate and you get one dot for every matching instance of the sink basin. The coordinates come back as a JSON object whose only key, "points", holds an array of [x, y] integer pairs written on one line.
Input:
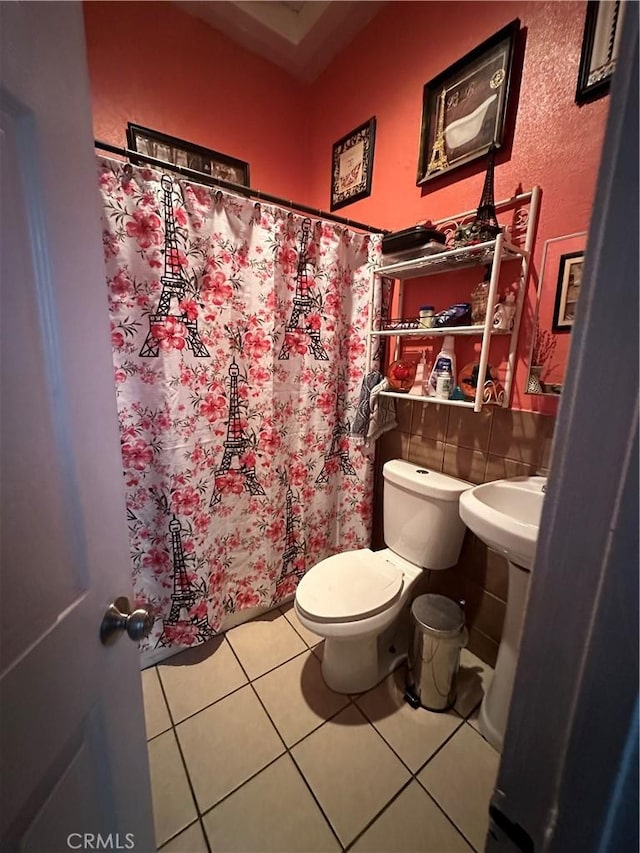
{"points": [[505, 514]]}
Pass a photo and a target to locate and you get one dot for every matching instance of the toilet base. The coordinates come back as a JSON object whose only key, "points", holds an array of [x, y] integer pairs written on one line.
{"points": [[354, 666]]}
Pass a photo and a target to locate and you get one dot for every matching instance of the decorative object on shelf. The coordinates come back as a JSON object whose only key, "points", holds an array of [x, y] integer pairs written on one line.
{"points": [[544, 346], [464, 107], [427, 316], [414, 242], [352, 165], [456, 315], [534, 381], [504, 314], [400, 324], [485, 225], [493, 391], [180, 153], [401, 374], [479, 299], [567, 291], [600, 43]]}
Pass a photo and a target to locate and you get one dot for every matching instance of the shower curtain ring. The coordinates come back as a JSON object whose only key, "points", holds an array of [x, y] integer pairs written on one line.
{"points": [[218, 196], [128, 169]]}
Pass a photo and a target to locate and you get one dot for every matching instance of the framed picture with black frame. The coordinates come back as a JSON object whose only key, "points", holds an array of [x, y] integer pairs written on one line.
{"points": [[600, 43], [567, 291], [464, 108], [352, 165], [177, 152]]}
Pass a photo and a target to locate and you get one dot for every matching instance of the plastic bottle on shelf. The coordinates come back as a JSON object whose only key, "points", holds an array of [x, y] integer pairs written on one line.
{"points": [[444, 384], [421, 375], [445, 363]]}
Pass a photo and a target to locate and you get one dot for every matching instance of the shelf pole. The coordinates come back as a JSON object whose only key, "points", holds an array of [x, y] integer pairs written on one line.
{"points": [[488, 323], [524, 279]]}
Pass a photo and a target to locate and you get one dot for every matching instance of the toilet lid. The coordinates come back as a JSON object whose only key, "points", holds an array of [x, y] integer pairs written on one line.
{"points": [[349, 586]]}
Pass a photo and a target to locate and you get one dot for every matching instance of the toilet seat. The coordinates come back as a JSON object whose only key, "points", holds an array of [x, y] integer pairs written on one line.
{"points": [[350, 586]]}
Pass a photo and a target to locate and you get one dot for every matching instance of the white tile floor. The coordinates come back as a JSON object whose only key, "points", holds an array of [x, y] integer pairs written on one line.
{"points": [[250, 751]]}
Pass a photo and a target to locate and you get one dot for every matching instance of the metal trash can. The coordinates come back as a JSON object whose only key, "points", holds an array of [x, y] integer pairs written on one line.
{"points": [[439, 633]]}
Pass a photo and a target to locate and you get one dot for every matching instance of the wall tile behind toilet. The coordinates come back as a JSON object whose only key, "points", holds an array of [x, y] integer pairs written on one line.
{"points": [[477, 447]]}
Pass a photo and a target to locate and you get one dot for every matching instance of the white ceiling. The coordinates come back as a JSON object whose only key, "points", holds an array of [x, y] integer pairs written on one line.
{"points": [[301, 37]]}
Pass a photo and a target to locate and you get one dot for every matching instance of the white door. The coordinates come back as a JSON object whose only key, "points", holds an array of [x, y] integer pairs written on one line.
{"points": [[73, 751]]}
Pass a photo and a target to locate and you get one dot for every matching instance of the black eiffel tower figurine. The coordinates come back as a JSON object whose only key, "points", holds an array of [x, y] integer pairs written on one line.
{"points": [[236, 442], [486, 219], [173, 286], [303, 303], [339, 431], [185, 593], [293, 546]]}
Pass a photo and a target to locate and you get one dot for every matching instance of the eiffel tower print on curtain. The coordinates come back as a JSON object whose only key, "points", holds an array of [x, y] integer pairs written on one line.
{"points": [[294, 546], [303, 304], [184, 596], [337, 457], [236, 444], [174, 283]]}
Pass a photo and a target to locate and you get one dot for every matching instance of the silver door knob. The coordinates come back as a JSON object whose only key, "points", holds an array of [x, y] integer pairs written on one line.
{"points": [[119, 618]]}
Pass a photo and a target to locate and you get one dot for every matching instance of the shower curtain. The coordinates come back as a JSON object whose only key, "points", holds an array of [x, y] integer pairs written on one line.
{"points": [[239, 336]]}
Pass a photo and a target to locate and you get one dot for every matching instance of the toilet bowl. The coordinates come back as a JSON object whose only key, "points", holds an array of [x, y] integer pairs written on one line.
{"points": [[359, 600]]}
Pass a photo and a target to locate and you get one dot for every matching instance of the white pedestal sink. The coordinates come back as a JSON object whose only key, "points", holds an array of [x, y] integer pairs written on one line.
{"points": [[505, 514]]}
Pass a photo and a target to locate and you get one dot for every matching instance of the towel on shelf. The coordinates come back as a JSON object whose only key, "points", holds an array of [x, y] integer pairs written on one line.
{"points": [[375, 414]]}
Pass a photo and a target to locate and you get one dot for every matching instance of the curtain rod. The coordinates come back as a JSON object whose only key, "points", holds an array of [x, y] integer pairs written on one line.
{"points": [[209, 180]]}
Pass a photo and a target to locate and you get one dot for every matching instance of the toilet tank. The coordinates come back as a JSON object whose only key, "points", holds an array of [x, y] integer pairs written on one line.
{"points": [[422, 523]]}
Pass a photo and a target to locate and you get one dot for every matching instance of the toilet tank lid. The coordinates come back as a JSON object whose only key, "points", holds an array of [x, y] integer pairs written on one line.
{"points": [[424, 481]]}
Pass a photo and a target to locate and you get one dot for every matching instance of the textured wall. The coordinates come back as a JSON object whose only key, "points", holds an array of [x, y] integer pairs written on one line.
{"points": [[556, 144], [489, 445], [155, 65]]}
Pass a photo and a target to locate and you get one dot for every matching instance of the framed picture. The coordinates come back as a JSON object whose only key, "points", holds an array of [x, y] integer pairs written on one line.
{"points": [[600, 42], [464, 107], [181, 153], [352, 165], [567, 291]]}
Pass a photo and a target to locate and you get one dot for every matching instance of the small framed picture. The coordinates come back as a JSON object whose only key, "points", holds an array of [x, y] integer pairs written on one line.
{"points": [[181, 153], [567, 290], [600, 43], [464, 108], [352, 165]]}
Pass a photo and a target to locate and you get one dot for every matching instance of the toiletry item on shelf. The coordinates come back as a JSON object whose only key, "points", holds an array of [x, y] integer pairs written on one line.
{"points": [[426, 316], [412, 243], [479, 299], [504, 314], [446, 364], [401, 374], [455, 315], [444, 384], [421, 375]]}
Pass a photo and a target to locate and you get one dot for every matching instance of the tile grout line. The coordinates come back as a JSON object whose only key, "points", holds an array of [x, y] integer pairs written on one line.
{"points": [[288, 751], [186, 769]]}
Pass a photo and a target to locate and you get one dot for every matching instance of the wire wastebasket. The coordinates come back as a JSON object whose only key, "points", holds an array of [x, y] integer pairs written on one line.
{"points": [[439, 633]]}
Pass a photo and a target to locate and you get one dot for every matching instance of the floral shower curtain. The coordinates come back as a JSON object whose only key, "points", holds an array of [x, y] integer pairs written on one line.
{"points": [[239, 337]]}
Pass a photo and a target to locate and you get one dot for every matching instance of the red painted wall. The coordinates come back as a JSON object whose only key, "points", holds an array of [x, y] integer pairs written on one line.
{"points": [[556, 144], [155, 65]]}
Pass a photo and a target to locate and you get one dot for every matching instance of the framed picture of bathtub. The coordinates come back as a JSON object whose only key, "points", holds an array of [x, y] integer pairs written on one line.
{"points": [[464, 108]]}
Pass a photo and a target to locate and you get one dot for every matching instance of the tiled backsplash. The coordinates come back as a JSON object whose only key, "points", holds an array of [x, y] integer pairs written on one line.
{"points": [[477, 447]]}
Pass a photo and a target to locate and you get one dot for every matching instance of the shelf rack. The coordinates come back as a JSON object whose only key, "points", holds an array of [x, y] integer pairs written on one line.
{"points": [[492, 252]]}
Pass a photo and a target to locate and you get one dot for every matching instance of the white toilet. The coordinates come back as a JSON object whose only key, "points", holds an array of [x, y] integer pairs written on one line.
{"points": [[354, 599]]}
